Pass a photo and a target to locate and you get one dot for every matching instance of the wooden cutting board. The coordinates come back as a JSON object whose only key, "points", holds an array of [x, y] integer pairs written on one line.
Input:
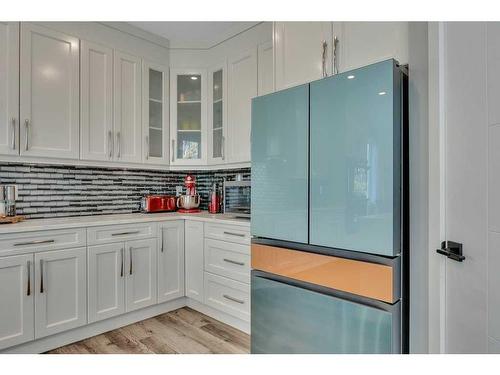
{"points": [[11, 219]]}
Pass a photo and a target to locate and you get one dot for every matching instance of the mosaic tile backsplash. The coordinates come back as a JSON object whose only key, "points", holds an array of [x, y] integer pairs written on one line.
{"points": [[57, 191]]}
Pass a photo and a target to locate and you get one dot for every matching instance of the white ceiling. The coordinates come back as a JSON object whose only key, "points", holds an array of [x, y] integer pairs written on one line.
{"points": [[194, 34]]}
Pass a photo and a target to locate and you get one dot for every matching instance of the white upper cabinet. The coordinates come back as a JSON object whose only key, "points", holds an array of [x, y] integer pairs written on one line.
{"points": [[217, 110], [9, 88], [127, 108], [265, 68], [155, 113], [171, 261], [188, 116], [302, 52], [49, 93], [96, 102], [364, 43], [242, 87]]}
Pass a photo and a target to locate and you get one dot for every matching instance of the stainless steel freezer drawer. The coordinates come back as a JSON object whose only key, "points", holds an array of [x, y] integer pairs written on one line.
{"points": [[291, 319]]}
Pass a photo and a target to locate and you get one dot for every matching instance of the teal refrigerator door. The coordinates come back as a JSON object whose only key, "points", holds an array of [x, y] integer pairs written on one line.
{"points": [[287, 319], [280, 138], [356, 160]]}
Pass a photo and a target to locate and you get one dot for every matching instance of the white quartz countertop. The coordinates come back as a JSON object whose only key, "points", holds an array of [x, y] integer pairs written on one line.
{"points": [[30, 225]]}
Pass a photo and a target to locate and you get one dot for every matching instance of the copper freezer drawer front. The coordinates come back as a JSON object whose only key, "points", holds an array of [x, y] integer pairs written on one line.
{"points": [[354, 276]]}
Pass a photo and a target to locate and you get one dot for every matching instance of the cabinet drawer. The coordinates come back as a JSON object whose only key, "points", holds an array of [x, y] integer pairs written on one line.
{"points": [[229, 296], [29, 242], [228, 259], [119, 233], [231, 233]]}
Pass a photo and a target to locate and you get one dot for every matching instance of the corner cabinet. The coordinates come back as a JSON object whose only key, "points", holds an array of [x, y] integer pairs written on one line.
{"points": [[188, 116], [171, 261], [217, 113], [49, 93], [194, 260]]}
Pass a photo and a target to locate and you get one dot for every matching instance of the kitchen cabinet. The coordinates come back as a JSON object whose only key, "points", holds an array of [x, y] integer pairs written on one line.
{"points": [[188, 116], [302, 51], [141, 281], [265, 68], [106, 273], [217, 113], [171, 261], [194, 260], [16, 300], [96, 101], [9, 88], [155, 113], [242, 87], [60, 291], [127, 108], [49, 93]]}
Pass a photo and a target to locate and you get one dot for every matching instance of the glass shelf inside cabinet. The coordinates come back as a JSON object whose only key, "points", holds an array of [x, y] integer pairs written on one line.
{"points": [[155, 113], [217, 118], [189, 116]]}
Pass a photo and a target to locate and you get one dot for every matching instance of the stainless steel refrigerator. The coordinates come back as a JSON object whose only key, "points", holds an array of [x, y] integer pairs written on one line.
{"points": [[330, 215]]}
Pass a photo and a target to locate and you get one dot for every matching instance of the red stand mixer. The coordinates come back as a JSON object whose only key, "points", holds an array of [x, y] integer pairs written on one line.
{"points": [[189, 202]]}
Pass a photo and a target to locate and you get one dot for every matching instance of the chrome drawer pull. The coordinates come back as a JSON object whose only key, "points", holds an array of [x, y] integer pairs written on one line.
{"points": [[234, 234], [41, 276], [28, 292], [233, 299], [39, 242], [234, 262], [131, 260], [125, 233], [123, 266]]}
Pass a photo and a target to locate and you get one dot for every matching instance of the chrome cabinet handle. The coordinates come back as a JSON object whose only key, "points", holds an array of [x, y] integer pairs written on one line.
{"points": [[41, 276], [122, 269], [234, 262], [335, 60], [131, 261], [39, 242], [125, 233], [323, 58], [119, 146], [233, 299], [147, 147], [28, 292], [173, 150], [223, 150], [110, 144], [27, 128], [13, 133], [161, 245], [234, 234]]}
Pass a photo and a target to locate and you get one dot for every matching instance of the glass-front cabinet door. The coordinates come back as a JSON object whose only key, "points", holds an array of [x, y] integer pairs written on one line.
{"points": [[155, 113], [217, 114], [188, 117]]}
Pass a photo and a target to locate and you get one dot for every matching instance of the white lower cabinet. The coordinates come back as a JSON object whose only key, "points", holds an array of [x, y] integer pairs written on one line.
{"points": [[171, 261], [16, 300], [60, 291], [106, 272], [194, 260]]}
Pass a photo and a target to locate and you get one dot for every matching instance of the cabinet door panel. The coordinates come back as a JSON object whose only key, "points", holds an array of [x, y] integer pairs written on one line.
{"points": [[9, 88], [16, 300], [49, 93], [194, 260], [141, 281], [242, 87], [171, 261], [265, 69], [356, 160], [60, 291], [280, 138], [127, 103], [96, 101], [106, 273]]}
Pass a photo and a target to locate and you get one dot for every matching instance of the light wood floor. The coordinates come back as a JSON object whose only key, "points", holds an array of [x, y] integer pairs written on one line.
{"points": [[180, 331]]}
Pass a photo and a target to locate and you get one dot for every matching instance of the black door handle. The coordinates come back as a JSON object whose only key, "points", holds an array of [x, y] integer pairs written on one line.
{"points": [[452, 250]]}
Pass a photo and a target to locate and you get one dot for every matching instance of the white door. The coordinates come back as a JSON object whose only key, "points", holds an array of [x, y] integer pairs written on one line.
{"points": [[16, 300], [49, 93], [140, 268], [60, 291], [302, 52], [364, 43], [470, 304], [155, 108], [194, 260], [106, 281], [127, 108], [265, 69], [96, 101], [9, 88], [171, 261], [242, 87]]}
